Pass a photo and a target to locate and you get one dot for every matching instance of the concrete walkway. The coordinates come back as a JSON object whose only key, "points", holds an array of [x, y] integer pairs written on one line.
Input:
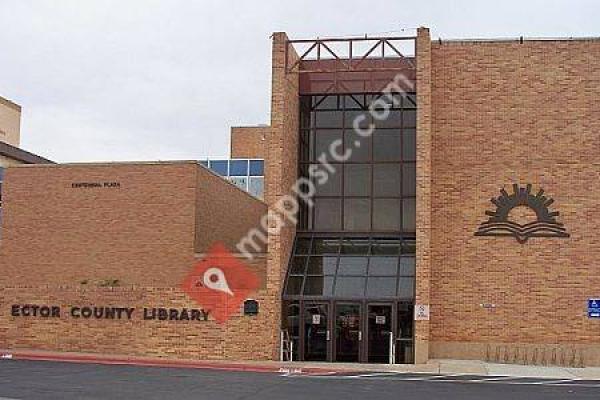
{"points": [[443, 367], [465, 367]]}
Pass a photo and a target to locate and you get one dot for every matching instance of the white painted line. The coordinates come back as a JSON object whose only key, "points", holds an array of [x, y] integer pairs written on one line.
{"points": [[375, 374], [553, 381]]}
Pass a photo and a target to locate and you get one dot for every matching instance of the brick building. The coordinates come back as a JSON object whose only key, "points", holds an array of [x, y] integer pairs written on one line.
{"points": [[10, 138], [395, 252]]}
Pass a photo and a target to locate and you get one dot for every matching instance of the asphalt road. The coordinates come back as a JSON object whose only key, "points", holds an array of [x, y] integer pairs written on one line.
{"points": [[65, 381]]}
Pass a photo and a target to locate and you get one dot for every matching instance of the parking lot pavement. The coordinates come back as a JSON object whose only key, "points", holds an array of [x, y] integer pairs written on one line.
{"points": [[33, 380]]}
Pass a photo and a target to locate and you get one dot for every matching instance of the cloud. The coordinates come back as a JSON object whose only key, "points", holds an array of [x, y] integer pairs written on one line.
{"points": [[115, 80]]}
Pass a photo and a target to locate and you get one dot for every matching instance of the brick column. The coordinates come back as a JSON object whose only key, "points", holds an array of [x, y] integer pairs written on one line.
{"points": [[281, 168], [423, 275]]}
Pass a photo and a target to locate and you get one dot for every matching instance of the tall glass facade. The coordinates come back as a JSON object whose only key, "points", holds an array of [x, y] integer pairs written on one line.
{"points": [[350, 285], [374, 189]]}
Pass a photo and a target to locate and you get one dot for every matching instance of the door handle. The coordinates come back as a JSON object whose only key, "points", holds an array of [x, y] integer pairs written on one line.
{"points": [[359, 335], [328, 335]]}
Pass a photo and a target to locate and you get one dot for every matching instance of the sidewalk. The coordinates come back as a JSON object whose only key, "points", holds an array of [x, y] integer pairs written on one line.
{"points": [[443, 367]]}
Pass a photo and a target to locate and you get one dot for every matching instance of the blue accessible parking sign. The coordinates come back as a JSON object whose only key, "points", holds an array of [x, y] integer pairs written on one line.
{"points": [[593, 308]]}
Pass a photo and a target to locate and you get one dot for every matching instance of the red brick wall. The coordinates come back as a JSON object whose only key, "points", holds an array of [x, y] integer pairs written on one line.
{"points": [[423, 215], [61, 244], [506, 113], [140, 233], [224, 213], [248, 141]]}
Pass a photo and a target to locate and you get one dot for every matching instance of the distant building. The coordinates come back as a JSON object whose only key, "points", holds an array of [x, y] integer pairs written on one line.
{"points": [[10, 138]]}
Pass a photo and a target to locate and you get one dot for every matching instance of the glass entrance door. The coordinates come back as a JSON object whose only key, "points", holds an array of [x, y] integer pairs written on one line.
{"points": [[348, 333], [379, 329], [316, 331], [405, 350]]}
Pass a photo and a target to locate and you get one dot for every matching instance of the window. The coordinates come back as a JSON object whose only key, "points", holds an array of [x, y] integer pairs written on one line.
{"points": [[328, 214], [367, 192], [240, 182], [248, 175], [256, 187], [257, 167], [351, 268], [238, 167], [221, 167]]}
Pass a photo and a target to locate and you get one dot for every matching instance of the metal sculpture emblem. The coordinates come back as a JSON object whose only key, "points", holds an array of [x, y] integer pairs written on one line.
{"points": [[499, 224]]}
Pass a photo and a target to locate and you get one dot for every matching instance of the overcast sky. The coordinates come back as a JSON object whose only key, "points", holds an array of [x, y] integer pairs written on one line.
{"points": [[147, 80]]}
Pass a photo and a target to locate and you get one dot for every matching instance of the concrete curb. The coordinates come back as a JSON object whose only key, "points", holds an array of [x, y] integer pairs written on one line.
{"points": [[84, 358]]}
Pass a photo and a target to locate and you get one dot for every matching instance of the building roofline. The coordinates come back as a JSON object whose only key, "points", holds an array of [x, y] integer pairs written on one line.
{"points": [[106, 163], [10, 104], [519, 39], [24, 156]]}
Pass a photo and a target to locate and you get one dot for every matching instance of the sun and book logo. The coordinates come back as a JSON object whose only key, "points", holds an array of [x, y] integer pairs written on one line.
{"points": [[500, 224]]}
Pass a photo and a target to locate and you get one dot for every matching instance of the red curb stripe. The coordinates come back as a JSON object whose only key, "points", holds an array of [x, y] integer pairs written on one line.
{"points": [[83, 359]]}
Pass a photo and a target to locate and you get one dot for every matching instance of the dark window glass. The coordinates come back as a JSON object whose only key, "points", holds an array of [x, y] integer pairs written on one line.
{"points": [[393, 120], [409, 145], [357, 214], [220, 167], [302, 246], [357, 180], [350, 286], [383, 266], [328, 214], [355, 246], [355, 102], [353, 265], [381, 286], [294, 285], [409, 101], [307, 141], [409, 246], [407, 266], [321, 265], [356, 268], [383, 101], [387, 145], [363, 119], [323, 141], [386, 247], [257, 167], [318, 286], [386, 180], [328, 119], [326, 102], [408, 215], [238, 167], [359, 146], [298, 265], [405, 320], [386, 214], [326, 246], [331, 187], [409, 181], [409, 118], [406, 288]]}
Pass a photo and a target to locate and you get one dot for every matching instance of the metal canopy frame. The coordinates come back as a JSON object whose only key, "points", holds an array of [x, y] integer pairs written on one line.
{"points": [[354, 59]]}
